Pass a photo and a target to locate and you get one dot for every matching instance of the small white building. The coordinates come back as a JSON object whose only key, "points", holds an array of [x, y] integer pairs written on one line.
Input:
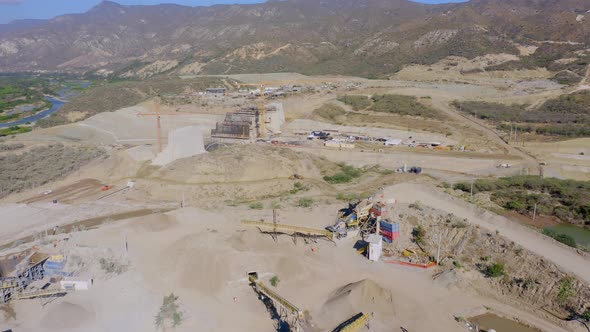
{"points": [[71, 284], [375, 247], [392, 142]]}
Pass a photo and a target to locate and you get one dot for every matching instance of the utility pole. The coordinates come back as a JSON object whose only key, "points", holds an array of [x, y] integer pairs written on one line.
{"points": [[535, 212], [438, 250]]}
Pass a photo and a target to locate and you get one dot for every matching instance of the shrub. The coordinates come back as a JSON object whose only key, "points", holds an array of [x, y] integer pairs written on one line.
{"points": [[495, 270], [41, 165], [110, 265], [419, 234], [567, 240], [347, 173], [256, 206], [402, 105], [563, 238], [329, 112], [347, 197], [169, 314], [566, 289], [305, 202], [297, 187], [565, 199], [274, 281], [357, 102]]}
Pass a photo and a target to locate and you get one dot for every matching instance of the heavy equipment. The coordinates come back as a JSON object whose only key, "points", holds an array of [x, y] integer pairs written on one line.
{"points": [[293, 316], [355, 216], [158, 114], [287, 311], [290, 229]]}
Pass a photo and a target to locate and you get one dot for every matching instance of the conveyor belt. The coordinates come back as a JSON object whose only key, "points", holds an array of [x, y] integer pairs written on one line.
{"points": [[355, 323], [291, 229], [39, 293]]}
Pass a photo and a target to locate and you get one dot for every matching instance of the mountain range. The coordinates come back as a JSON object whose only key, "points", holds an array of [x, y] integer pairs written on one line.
{"points": [[371, 38]]}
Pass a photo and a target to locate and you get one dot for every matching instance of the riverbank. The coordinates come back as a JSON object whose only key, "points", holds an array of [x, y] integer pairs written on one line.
{"points": [[56, 104]]}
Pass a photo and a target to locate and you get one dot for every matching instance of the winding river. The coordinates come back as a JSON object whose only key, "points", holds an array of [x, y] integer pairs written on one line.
{"points": [[56, 105]]}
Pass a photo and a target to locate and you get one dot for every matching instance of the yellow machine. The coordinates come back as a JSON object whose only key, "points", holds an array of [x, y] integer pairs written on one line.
{"points": [[288, 312], [290, 229], [355, 323], [293, 316]]}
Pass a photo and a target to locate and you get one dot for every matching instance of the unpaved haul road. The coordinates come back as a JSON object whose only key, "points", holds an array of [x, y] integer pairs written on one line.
{"points": [[443, 105], [566, 258]]}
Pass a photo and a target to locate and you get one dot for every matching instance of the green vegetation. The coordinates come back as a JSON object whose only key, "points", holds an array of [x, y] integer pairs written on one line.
{"points": [[563, 238], [110, 265], [111, 96], [41, 165], [494, 270], [349, 197], [567, 115], [330, 112], [169, 314], [568, 200], [347, 173], [14, 130], [274, 281], [545, 56], [419, 234], [298, 187], [402, 105], [305, 202], [566, 289], [357, 102], [256, 206]]}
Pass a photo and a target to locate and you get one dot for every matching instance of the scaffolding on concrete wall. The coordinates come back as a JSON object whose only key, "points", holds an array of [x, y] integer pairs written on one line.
{"points": [[237, 125]]}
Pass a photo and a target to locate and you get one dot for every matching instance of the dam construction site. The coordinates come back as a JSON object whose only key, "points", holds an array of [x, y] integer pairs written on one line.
{"points": [[275, 202]]}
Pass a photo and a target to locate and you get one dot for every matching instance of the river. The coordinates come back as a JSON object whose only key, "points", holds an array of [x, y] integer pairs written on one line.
{"points": [[56, 105]]}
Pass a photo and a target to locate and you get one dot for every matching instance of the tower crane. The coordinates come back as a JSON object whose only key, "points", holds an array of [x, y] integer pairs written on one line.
{"points": [[158, 114], [262, 107]]}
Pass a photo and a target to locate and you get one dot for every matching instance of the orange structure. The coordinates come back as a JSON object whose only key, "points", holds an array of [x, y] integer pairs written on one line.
{"points": [[158, 116]]}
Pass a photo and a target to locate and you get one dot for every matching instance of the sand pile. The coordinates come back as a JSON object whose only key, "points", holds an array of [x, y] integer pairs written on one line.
{"points": [[241, 163], [364, 295], [67, 315]]}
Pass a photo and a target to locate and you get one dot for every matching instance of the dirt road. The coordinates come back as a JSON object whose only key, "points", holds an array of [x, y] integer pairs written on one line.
{"points": [[443, 105], [567, 258]]}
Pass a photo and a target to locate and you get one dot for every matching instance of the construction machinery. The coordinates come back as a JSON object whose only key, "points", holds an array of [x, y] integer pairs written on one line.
{"points": [[355, 323], [290, 314], [30, 269], [262, 109], [273, 227], [355, 216], [286, 311], [158, 114]]}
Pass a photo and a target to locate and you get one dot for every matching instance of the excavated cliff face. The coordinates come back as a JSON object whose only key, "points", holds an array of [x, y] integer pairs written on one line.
{"points": [[528, 279]]}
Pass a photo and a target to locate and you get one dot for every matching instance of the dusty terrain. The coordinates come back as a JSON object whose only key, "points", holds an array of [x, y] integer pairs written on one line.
{"points": [[177, 229]]}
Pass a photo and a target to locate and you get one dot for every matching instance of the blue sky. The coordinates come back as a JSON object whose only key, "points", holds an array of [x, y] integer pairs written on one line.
{"points": [[19, 9]]}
